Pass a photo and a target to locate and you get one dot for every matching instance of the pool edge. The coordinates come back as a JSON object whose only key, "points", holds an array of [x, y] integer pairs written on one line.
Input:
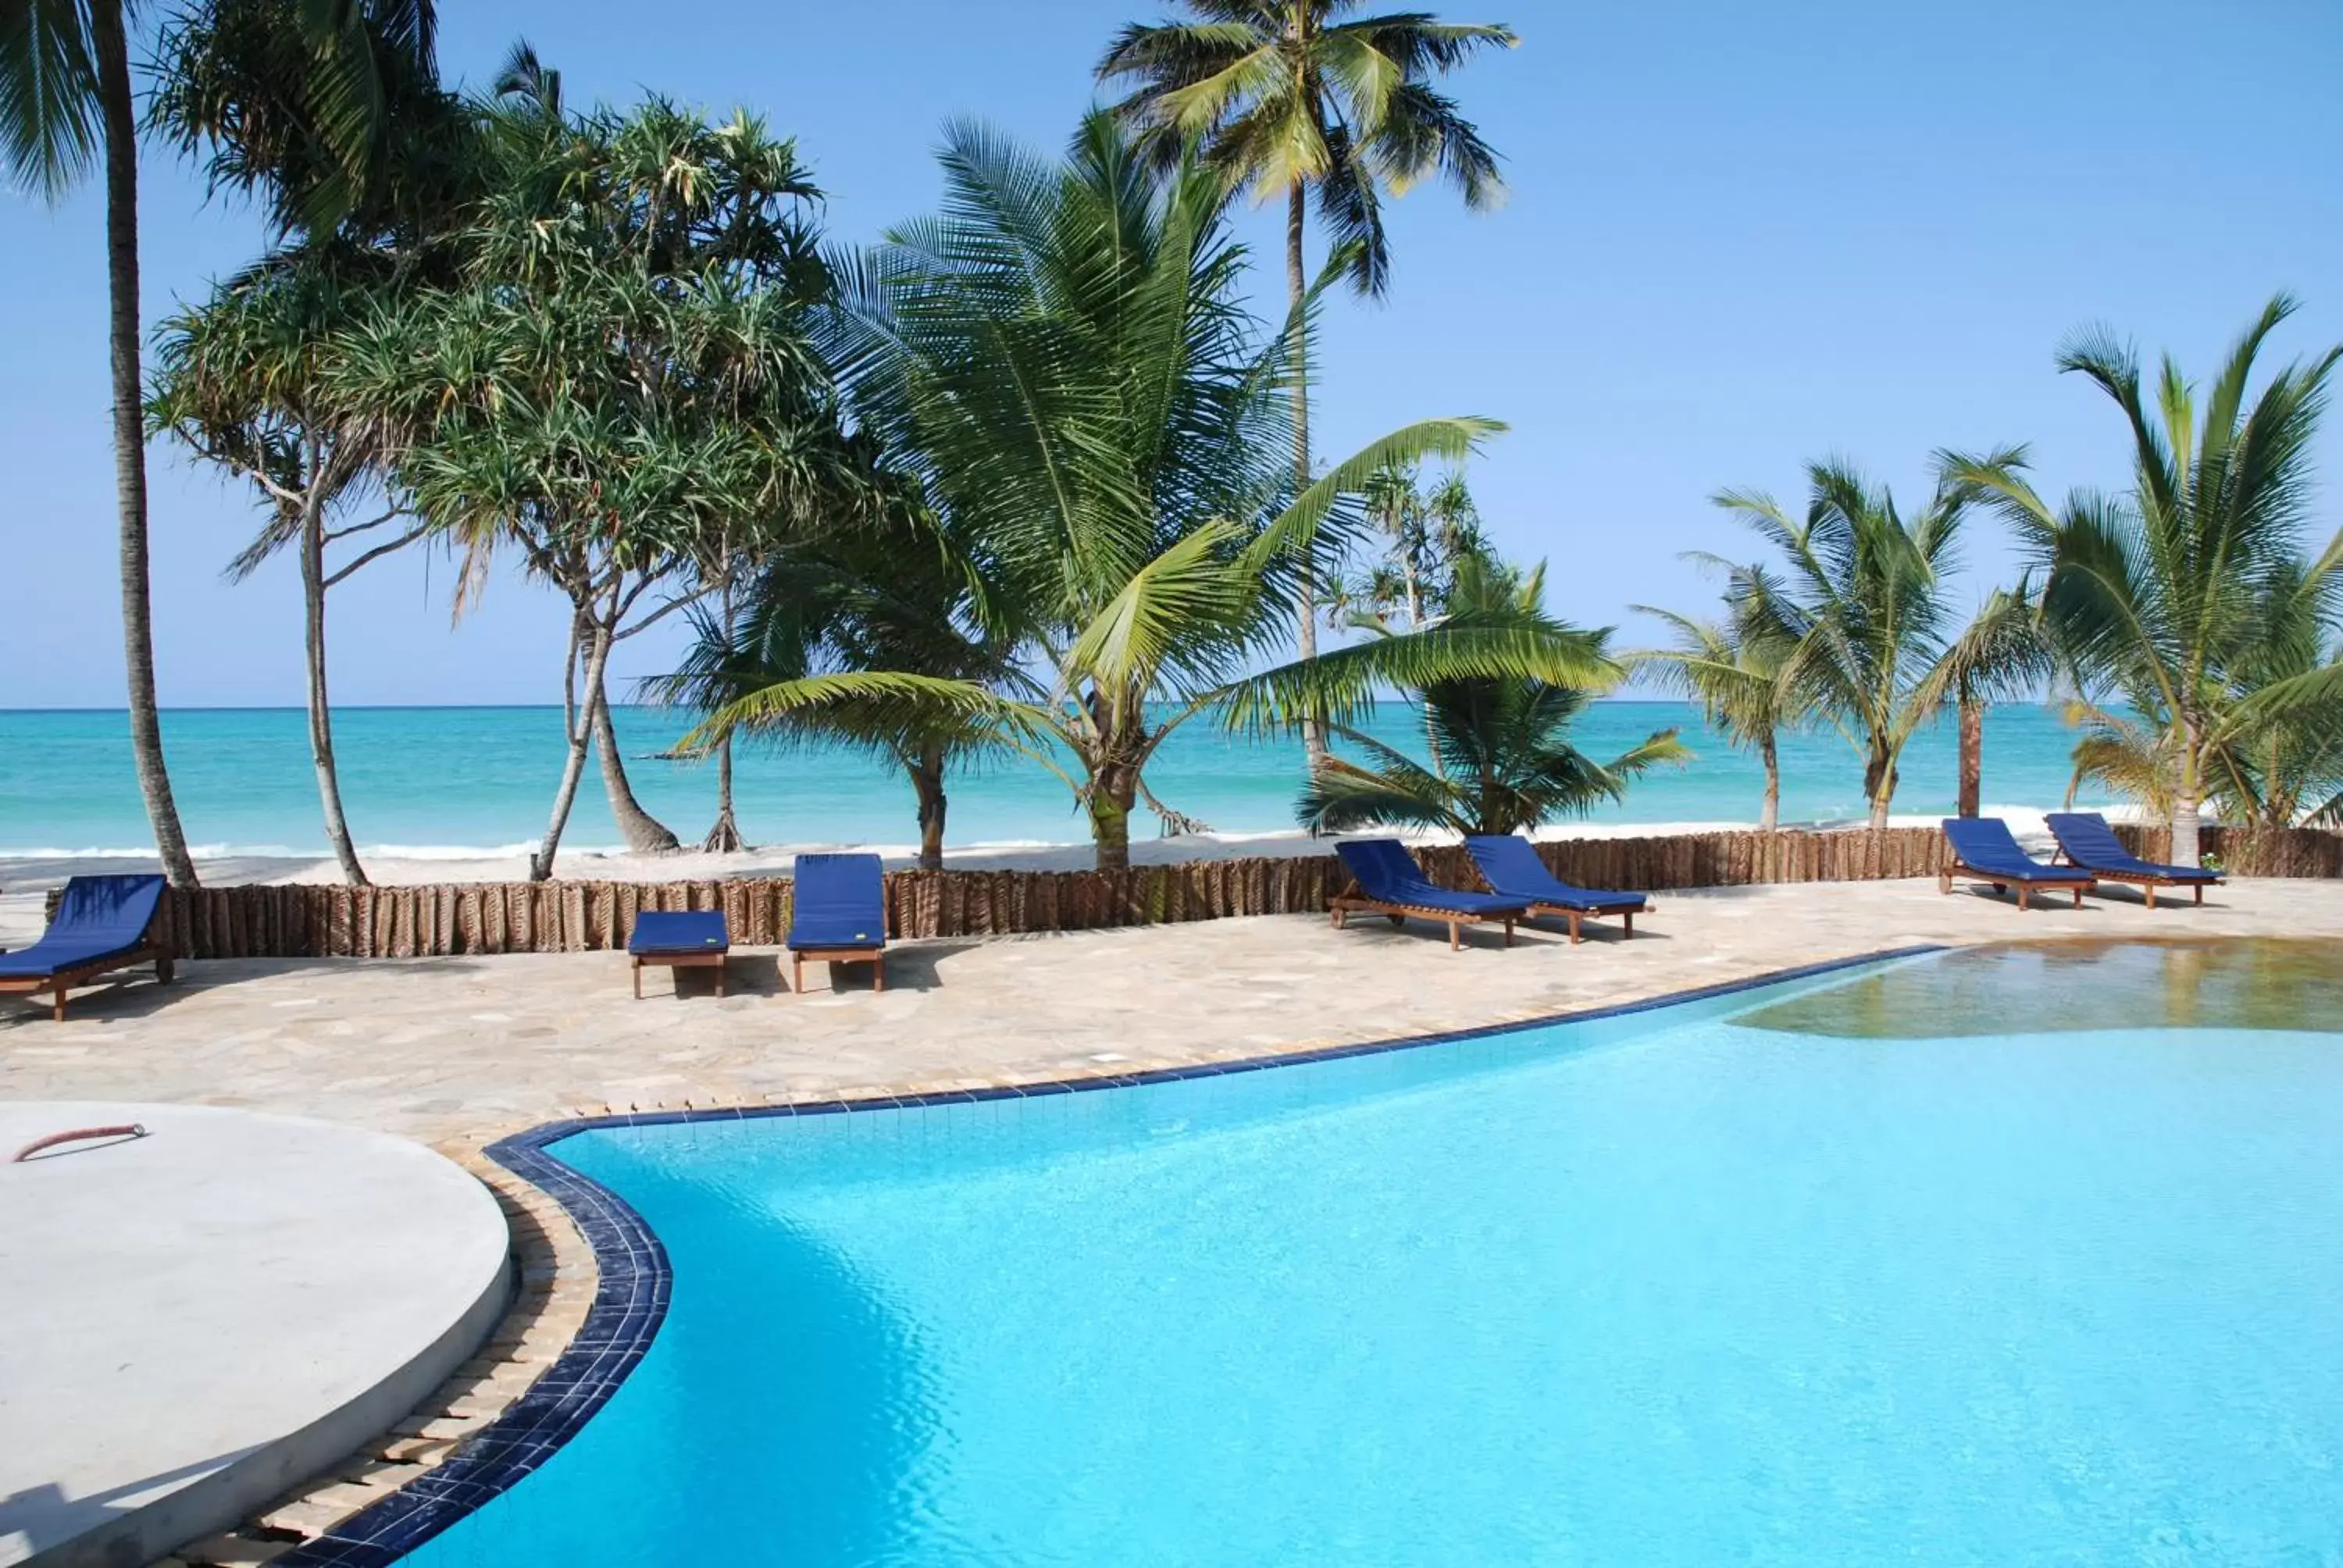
{"points": [[635, 1278]]}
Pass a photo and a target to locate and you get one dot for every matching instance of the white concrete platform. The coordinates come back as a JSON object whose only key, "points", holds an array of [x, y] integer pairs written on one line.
{"points": [[193, 1320]]}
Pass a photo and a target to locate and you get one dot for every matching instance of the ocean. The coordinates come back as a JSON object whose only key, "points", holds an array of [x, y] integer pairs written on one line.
{"points": [[463, 782]]}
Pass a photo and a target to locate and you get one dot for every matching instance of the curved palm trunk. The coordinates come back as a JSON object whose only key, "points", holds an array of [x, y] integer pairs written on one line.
{"points": [[1879, 785], [1770, 816], [573, 767], [927, 772], [113, 49], [1971, 785], [321, 713], [724, 838], [645, 834], [1305, 635]]}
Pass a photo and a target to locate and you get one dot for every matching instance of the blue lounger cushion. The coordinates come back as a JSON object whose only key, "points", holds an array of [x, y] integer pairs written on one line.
{"points": [[1388, 874], [98, 918], [1512, 867], [664, 933], [842, 903], [1986, 847], [2091, 844]]}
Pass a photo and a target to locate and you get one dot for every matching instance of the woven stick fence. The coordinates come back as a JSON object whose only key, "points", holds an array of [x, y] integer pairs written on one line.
{"points": [[445, 919], [2241, 851]]}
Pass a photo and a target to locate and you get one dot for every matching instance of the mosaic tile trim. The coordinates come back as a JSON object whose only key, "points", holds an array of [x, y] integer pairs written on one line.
{"points": [[632, 1297]]}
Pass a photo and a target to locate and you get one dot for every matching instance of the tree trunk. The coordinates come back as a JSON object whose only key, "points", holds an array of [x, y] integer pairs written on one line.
{"points": [[1770, 817], [1305, 586], [1879, 786], [2184, 801], [644, 833], [321, 713], [1972, 790], [113, 50], [581, 734], [927, 771], [1114, 790], [724, 838]]}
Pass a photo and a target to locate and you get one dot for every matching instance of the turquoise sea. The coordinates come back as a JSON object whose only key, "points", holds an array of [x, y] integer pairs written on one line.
{"points": [[464, 781]]}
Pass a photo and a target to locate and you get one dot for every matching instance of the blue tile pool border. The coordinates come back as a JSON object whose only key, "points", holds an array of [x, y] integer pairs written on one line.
{"points": [[631, 1297]]}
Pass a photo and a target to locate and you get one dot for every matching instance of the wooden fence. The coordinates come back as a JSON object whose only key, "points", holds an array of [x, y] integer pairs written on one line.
{"points": [[448, 919], [2284, 852]]}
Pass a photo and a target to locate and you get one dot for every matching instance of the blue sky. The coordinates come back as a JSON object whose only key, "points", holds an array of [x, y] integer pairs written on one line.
{"points": [[1738, 238]]}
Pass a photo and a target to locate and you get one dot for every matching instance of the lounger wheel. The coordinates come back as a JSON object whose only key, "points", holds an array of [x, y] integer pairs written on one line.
{"points": [[1396, 920]]}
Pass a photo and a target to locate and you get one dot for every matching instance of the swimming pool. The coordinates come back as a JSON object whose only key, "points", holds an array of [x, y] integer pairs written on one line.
{"points": [[1811, 1274]]}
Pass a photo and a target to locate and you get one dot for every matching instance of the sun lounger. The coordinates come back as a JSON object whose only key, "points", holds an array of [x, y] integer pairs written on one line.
{"points": [[840, 914], [1982, 849], [103, 924], [1512, 868], [1393, 885], [2087, 841], [679, 939]]}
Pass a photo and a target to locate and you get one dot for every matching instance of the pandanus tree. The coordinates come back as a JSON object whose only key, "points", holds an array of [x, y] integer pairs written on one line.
{"points": [[1415, 538], [67, 100], [1737, 668], [1502, 761], [2160, 598], [1061, 364], [1862, 603], [243, 378], [1293, 98], [621, 387]]}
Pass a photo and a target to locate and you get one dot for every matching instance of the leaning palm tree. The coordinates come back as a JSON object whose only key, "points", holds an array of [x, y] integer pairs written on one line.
{"points": [[1736, 669], [1062, 363], [1502, 761], [2004, 653], [1291, 97], [2157, 598], [1863, 606], [67, 98]]}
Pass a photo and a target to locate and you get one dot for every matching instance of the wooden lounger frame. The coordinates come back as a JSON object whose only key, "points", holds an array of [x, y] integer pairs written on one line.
{"points": [[875, 957], [2002, 881], [1344, 904], [2148, 882], [57, 984], [683, 958], [1627, 916]]}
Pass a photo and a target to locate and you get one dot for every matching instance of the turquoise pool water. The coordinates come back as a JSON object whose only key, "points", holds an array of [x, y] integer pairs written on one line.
{"points": [[1677, 1288]]}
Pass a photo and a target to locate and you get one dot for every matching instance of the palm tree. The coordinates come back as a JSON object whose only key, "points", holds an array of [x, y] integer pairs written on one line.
{"points": [[1421, 535], [1061, 363], [1736, 669], [2004, 653], [2158, 598], [1863, 607], [1500, 761], [1288, 97], [886, 599], [65, 95]]}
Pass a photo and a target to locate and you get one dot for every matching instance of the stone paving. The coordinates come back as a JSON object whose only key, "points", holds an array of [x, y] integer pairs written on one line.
{"points": [[459, 1051], [456, 1051]]}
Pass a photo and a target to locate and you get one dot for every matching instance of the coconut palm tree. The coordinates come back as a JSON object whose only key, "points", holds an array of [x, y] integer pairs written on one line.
{"points": [[1736, 668], [2003, 654], [1862, 605], [1289, 99], [1062, 365], [890, 597], [66, 98], [2158, 598], [1502, 761]]}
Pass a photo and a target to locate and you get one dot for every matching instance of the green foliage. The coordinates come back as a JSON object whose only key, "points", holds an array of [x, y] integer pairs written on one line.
{"points": [[2189, 610], [1501, 759], [1421, 536], [1285, 95]]}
